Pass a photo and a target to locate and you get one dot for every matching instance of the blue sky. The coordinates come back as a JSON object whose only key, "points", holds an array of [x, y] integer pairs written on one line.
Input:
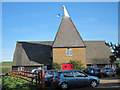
{"points": [[38, 22]]}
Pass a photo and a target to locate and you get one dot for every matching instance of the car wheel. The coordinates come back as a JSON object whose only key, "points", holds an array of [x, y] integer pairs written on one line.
{"points": [[93, 83], [64, 86]]}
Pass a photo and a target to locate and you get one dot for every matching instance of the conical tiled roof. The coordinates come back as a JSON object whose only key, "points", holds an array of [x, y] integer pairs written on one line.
{"points": [[67, 35]]}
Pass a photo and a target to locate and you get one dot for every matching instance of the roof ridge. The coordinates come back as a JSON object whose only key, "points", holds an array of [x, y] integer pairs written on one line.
{"points": [[34, 41]]}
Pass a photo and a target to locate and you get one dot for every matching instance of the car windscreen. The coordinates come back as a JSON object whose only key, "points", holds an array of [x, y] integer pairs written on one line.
{"points": [[57, 75], [110, 69], [98, 70], [52, 72]]}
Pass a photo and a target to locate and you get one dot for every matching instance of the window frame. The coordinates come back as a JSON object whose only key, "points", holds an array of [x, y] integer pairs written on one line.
{"points": [[80, 72], [69, 52], [21, 68], [68, 75]]}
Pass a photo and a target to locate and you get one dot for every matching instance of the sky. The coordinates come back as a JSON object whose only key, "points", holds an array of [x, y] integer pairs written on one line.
{"points": [[38, 21]]}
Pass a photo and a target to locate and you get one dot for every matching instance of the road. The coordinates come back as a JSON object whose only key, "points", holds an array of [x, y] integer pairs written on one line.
{"points": [[109, 82]]}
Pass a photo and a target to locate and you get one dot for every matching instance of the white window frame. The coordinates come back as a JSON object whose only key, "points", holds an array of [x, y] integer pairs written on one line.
{"points": [[68, 52], [44, 67], [20, 68]]}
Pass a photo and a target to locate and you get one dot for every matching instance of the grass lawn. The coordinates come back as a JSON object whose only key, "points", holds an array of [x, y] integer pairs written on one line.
{"points": [[4, 69], [6, 64], [0, 81]]}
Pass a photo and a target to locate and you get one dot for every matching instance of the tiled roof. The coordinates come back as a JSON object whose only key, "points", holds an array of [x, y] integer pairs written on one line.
{"points": [[67, 35]]}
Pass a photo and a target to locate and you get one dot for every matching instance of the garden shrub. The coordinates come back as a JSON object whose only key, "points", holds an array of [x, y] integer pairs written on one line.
{"points": [[56, 66], [13, 83], [78, 65]]}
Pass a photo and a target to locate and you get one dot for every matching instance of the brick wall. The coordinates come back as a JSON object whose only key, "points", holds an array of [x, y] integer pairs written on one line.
{"points": [[78, 54]]}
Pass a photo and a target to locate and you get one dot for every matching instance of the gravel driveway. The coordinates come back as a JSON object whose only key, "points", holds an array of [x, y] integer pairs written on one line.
{"points": [[109, 82]]}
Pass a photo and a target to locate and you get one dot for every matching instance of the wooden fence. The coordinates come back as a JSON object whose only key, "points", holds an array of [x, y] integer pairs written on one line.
{"points": [[37, 78]]}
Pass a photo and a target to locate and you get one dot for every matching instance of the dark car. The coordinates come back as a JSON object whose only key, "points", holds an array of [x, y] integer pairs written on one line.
{"points": [[73, 78], [117, 70], [93, 71], [49, 74]]}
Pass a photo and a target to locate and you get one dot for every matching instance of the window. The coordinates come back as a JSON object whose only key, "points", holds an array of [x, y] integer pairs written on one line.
{"points": [[79, 74], [44, 67], [20, 68], [69, 52], [68, 74]]}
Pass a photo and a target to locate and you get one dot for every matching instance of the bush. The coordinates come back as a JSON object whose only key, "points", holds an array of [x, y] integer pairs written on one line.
{"points": [[13, 83], [56, 66], [119, 62], [78, 65]]}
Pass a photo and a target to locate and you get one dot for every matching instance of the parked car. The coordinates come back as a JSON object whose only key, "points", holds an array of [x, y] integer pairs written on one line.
{"points": [[117, 70], [73, 78], [49, 74], [93, 71], [33, 71], [108, 71]]}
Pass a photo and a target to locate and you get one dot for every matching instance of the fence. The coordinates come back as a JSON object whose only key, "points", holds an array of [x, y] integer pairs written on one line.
{"points": [[38, 77]]}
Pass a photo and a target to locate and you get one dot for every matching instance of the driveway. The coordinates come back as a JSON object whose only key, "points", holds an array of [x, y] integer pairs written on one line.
{"points": [[109, 82]]}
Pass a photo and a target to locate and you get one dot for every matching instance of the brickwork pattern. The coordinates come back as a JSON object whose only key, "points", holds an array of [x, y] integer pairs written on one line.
{"points": [[78, 54]]}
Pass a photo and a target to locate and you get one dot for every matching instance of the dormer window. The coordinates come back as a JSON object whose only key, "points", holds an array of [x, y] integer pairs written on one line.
{"points": [[69, 52]]}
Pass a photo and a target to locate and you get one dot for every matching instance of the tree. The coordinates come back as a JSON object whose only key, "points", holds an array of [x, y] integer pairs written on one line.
{"points": [[115, 48], [112, 58], [78, 65]]}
